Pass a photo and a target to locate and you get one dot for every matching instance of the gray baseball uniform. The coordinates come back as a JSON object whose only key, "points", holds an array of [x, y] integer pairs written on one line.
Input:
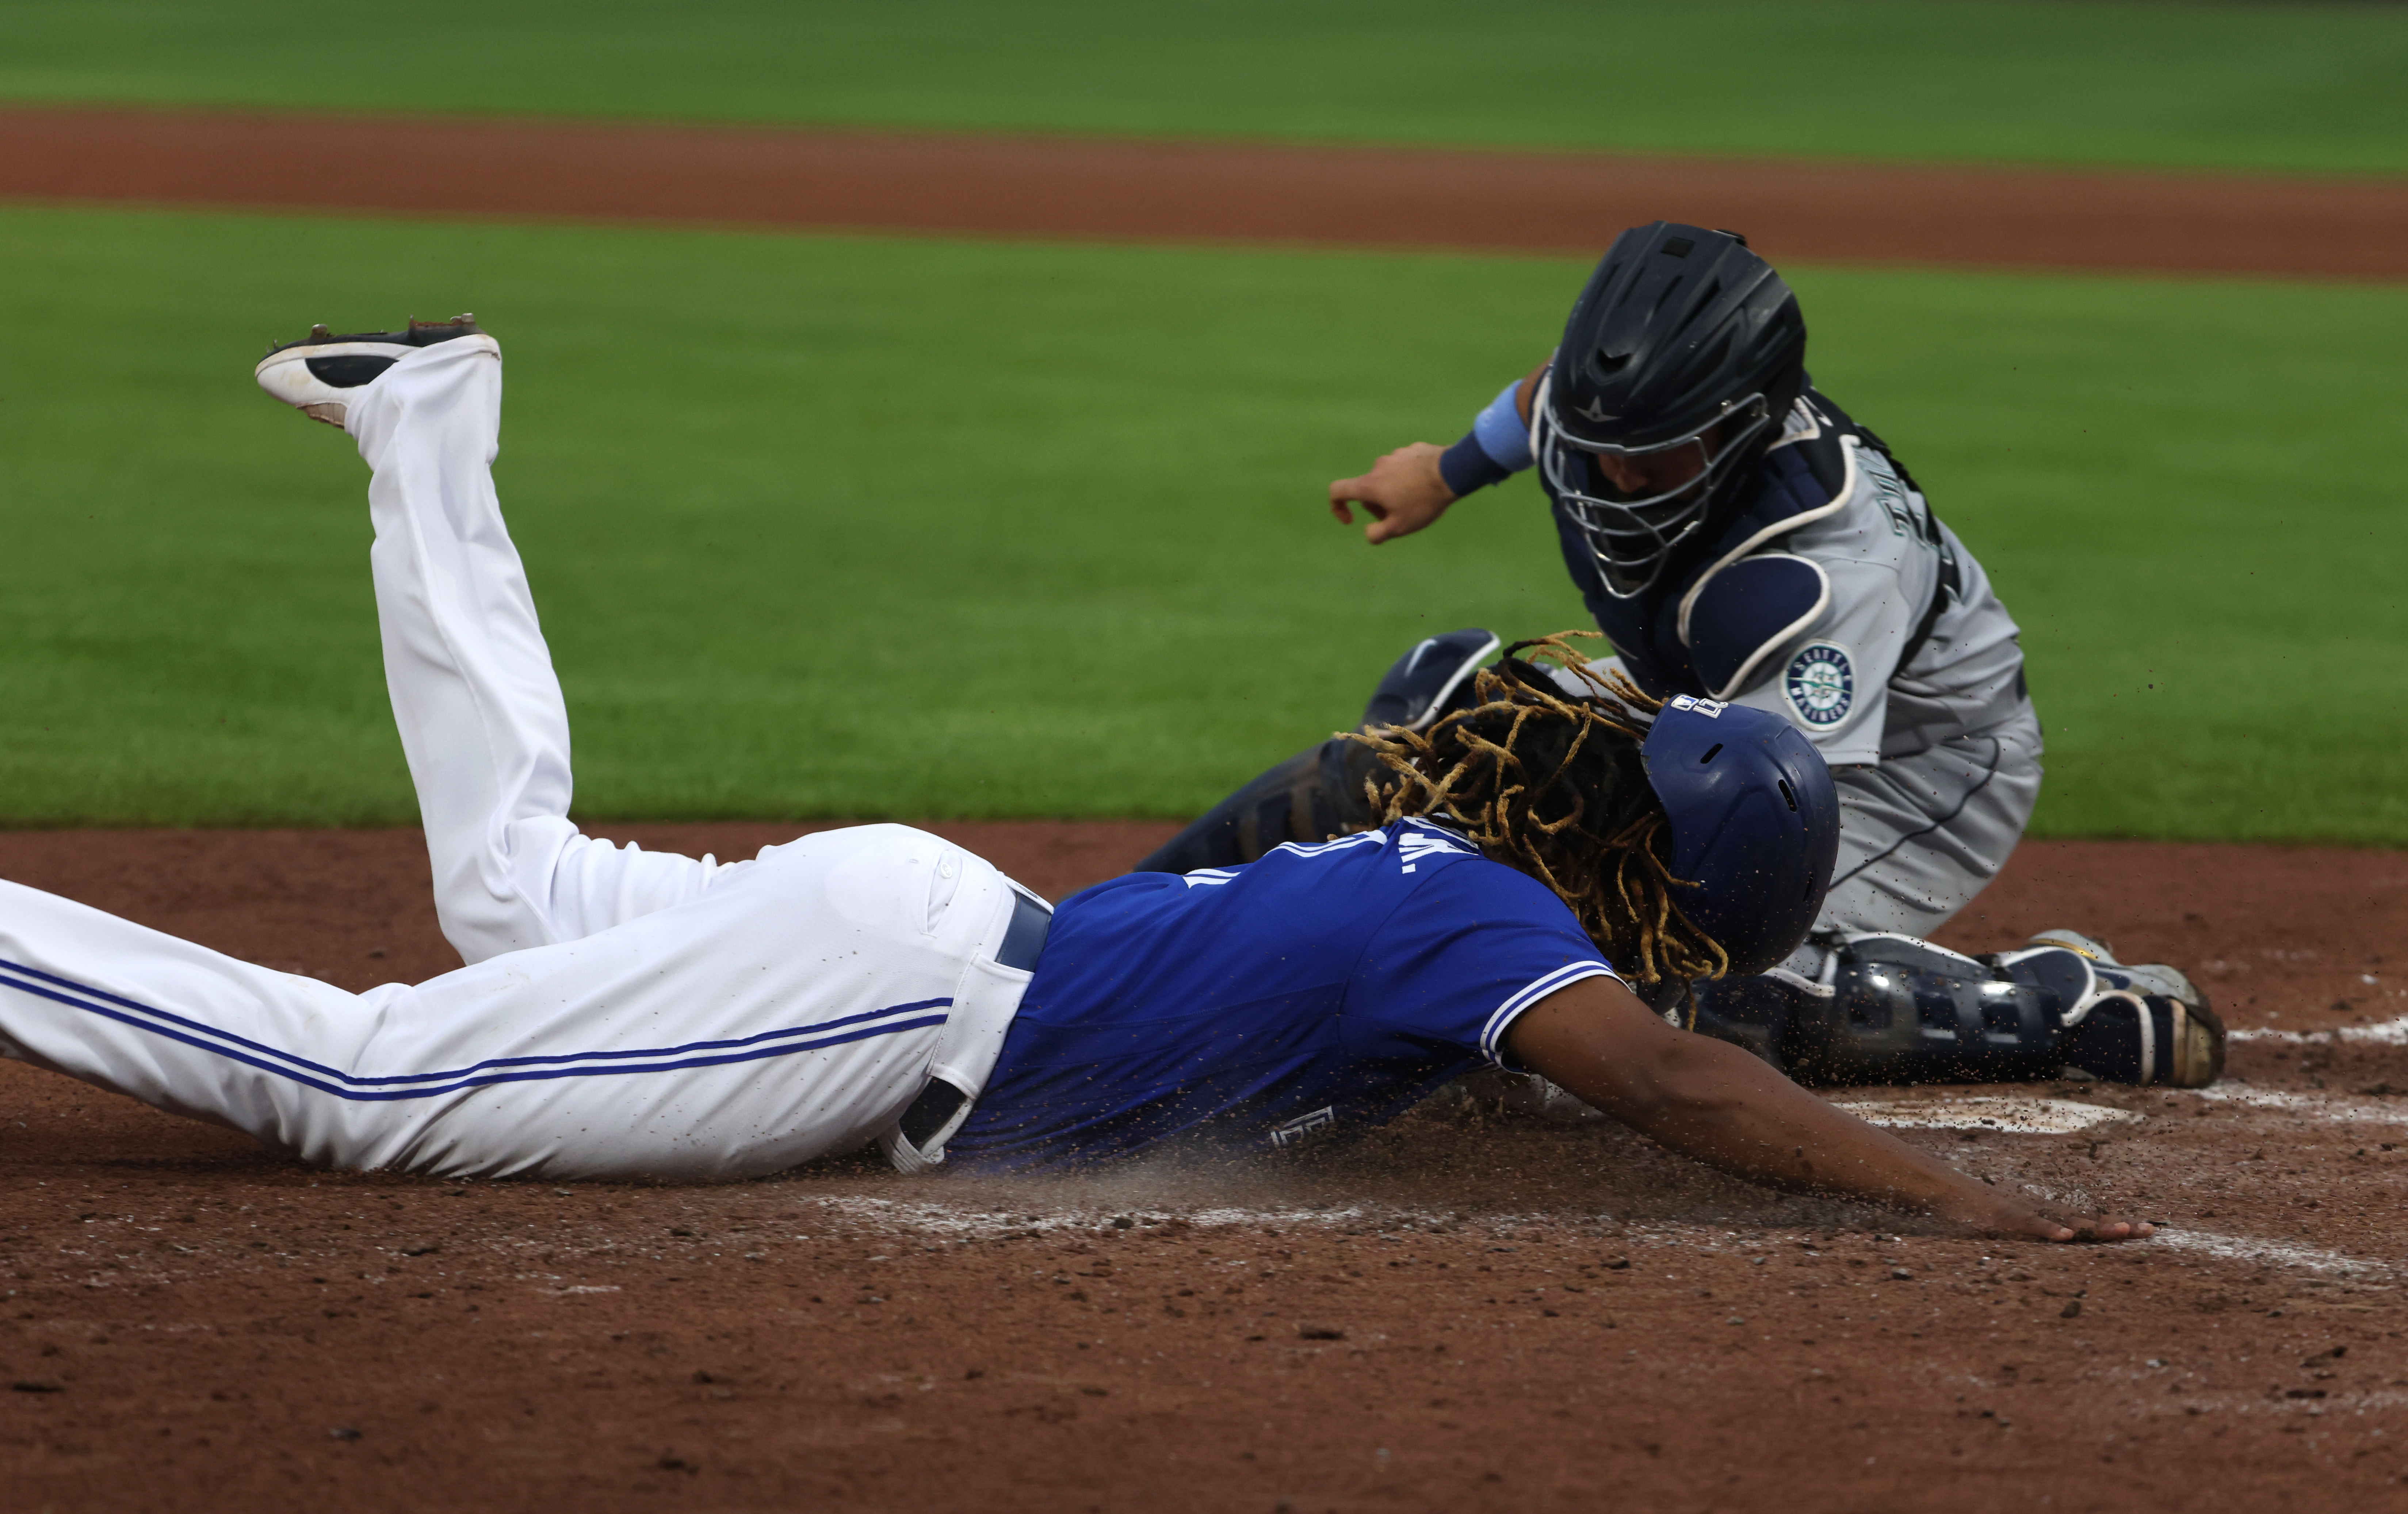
{"points": [[1836, 600]]}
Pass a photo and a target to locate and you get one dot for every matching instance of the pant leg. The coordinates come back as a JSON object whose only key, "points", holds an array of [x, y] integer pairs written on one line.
{"points": [[1921, 836], [794, 1011], [479, 709]]}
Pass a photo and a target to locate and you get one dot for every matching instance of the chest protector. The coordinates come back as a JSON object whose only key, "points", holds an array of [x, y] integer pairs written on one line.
{"points": [[1704, 627]]}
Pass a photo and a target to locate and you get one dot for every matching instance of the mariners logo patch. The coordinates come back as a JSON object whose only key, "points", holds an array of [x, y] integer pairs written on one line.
{"points": [[1821, 684]]}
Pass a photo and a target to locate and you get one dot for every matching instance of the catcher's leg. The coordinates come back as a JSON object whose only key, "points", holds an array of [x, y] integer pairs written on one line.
{"points": [[1313, 796], [1891, 1009], [1919, 838], [480, 710], [1866, 999], [1320, 792]]}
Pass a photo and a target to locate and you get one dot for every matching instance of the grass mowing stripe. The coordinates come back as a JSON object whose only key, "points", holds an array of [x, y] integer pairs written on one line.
{"points": [[829, 527], [817, 525], [2287, 87]]}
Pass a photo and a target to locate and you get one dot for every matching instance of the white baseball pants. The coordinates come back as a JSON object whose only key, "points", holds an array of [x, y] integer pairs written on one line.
{"points": [[623, 1013]]}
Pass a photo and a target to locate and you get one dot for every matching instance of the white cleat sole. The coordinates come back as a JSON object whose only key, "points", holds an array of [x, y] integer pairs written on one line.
{"points": [[320, 375]]}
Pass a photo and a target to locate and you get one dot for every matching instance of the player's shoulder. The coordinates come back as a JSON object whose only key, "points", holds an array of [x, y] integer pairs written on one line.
{"points": [[1415, 833], [1398, 849], [1808, 461], [1830, 525], [1447, 870], [1830, 493], [1415, 855]]}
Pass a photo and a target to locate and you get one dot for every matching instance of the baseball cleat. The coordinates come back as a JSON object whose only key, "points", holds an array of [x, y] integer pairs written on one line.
{"points": [[319, 374], [2147, 978], [2126, 1023], [2129, 1038]]}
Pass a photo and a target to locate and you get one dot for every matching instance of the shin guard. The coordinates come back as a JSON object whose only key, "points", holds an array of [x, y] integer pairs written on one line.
{"points": [[1900, 1010]]}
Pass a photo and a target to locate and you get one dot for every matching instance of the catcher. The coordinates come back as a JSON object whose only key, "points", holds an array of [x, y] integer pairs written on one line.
{"points": [[1739, 537], [629, 1014]]}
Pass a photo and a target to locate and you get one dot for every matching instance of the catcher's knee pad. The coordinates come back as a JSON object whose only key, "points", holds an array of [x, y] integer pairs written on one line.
{"points": [[1313, 796], [1318, 795], [1432, 681], [1894, 1009]]}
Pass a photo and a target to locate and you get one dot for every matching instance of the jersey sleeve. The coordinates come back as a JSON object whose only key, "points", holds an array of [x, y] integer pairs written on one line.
{"points": [[1467, 953]]}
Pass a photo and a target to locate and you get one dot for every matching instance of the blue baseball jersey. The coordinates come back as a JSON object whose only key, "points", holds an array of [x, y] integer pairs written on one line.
{"points": [[1322, 986]]}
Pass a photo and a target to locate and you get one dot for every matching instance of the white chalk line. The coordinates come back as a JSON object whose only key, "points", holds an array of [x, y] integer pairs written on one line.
{"points": [[937, 1218], [2316, 1105], [2278, 1253], [948, 1219], [2385, 1033]]}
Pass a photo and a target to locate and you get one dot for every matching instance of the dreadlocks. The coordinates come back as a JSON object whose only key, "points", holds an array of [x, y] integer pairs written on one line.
{"points": [[1553, 786]]}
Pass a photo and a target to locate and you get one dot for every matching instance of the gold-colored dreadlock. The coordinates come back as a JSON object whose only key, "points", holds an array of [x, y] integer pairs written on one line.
{"points": [[1551, 785]]}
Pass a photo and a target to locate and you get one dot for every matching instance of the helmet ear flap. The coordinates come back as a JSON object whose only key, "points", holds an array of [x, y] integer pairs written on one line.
{"points": [[1780, 398]]}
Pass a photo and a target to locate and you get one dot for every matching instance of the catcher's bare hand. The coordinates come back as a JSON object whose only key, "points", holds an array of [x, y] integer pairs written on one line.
{"points": [[1402, 494]]}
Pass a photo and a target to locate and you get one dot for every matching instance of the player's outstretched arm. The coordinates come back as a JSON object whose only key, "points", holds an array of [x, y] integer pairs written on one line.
{"points": [[1402, 494], [1407, 490], [1719, 1105]]}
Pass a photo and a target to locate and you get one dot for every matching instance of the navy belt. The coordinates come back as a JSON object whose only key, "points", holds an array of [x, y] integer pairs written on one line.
{"points": [[940, 1102], [1025, 937]]}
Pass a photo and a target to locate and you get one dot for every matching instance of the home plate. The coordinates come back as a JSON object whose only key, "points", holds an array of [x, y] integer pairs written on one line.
{"points": [[2004, 1112]]}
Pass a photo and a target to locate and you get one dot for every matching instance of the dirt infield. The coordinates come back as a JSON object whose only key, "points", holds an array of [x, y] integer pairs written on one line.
{"points": [[1460, 1314], [1569, 203]]}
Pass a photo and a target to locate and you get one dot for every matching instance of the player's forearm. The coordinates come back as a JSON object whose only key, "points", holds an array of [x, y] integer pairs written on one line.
{"points": [[1721, 1106]]}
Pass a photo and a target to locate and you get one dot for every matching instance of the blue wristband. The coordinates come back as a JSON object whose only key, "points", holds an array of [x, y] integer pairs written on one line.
{"points": [[1503, 435], [1466, 467]]}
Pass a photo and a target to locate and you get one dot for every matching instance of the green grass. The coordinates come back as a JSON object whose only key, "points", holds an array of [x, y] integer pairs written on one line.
{"points": [[2282, 87], [2185, 493], [854, 526]]}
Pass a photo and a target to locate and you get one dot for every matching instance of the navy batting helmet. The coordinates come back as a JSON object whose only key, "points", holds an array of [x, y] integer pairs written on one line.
{"points": [[1755, 822], [1679, 330]]}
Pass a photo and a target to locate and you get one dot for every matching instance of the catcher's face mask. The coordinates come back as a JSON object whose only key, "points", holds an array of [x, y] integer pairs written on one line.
{"points": [[1632, 531]]}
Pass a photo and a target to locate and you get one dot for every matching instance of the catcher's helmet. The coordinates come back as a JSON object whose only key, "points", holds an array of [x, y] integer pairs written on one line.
{"points": [[1755, 825], [1679, 328]]}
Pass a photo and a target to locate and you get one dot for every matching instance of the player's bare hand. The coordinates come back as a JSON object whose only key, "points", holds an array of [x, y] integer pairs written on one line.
{"points": [[1404, 492], [2102, 1230], [2008, 1218]]}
